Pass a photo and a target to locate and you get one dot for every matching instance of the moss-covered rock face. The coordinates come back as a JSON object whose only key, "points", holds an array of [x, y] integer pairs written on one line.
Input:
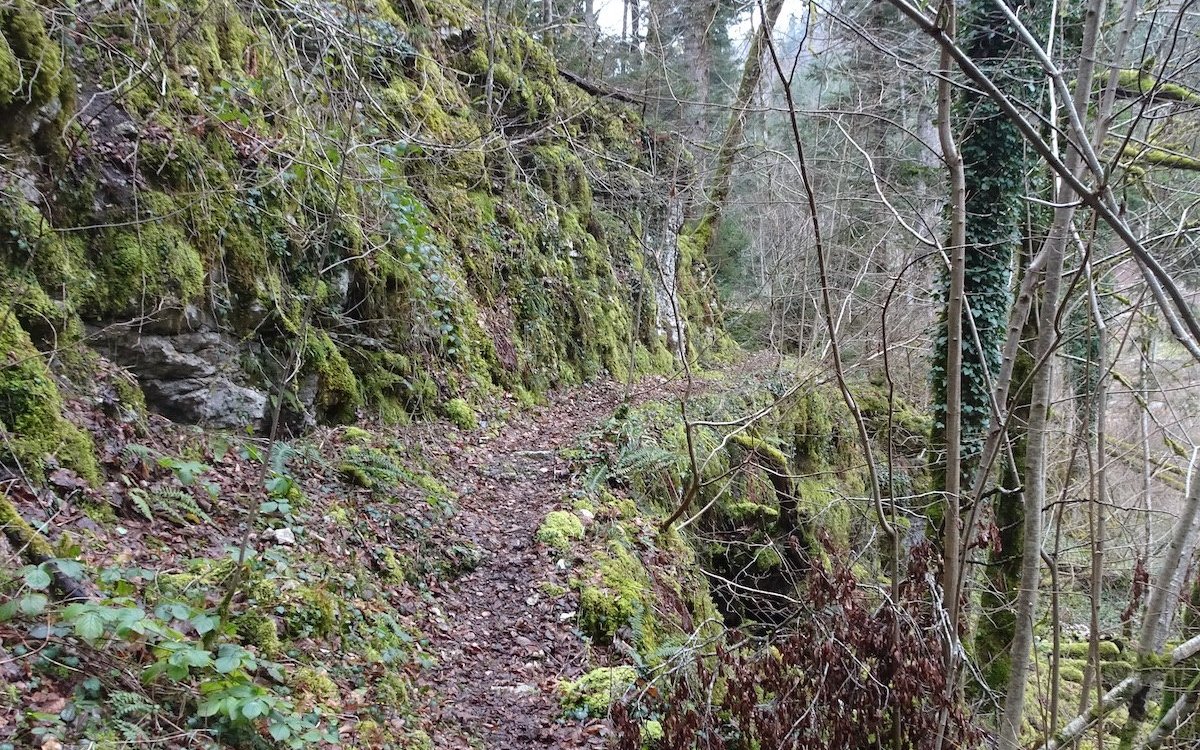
{"points": [[414, 278], [37, 435], [619, 595], [31, 65]]}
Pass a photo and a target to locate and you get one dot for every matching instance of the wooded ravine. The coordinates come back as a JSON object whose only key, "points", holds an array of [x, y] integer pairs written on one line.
{"points": [[635, 374]]}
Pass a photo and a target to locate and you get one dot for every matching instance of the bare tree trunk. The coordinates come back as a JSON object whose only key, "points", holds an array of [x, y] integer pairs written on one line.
{"points": [[547, 21], [635, 25], [954, 346], [698, 51], [1039, 407], [1163, 599]]}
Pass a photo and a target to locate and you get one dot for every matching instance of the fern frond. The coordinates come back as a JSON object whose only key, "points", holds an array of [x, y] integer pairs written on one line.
{"points": [[125, 704], [141, 503], [179, 506]]}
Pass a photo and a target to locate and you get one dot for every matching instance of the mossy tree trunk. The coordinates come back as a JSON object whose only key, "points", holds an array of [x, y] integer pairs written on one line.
{"points": [[994, 165], [779, 471], [722, 181], [994, 632]]}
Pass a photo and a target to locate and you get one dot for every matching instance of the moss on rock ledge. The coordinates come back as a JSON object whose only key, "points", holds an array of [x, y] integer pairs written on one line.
{"points": [[31, 410], [594, 693], [619, 595], [560, 529]]}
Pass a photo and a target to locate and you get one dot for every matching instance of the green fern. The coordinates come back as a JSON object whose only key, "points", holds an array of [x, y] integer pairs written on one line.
{"points": [[372, 469], [180, 507], [643, 459], [125, 704], [130, 731], [140, 501]]}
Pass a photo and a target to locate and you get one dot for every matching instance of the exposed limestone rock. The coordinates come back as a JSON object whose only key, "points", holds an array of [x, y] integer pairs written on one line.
{"points": [[190, 376]]}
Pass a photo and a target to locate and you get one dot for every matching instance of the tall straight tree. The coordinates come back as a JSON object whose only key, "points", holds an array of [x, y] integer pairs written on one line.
{"points": [[994, 166]]}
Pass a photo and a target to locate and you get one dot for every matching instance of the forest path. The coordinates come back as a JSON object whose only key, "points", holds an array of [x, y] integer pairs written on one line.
{"points": [[502, 644]]}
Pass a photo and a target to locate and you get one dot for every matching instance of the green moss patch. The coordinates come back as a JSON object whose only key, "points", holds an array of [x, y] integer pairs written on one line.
{"points": [[30, 62], [560, 529], [461, 414], [31, 410], [619, 594], [594, 693]]}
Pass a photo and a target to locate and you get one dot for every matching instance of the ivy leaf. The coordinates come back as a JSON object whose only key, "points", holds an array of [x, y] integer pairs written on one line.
{"points": [[197, 657], [70, 568]]}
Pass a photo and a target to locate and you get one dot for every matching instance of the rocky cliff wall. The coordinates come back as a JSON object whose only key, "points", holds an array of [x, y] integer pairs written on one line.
{"points": [[389, 206]]}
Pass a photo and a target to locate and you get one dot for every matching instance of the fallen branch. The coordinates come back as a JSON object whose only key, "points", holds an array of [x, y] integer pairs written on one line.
{"points": [[601, 90]]}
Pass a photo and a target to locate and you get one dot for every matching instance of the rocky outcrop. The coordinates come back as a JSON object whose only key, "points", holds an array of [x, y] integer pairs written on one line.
{"points": [[188, 372]]}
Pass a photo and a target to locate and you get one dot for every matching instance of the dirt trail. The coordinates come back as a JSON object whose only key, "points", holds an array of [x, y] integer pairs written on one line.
{"points": [[501, 643]]}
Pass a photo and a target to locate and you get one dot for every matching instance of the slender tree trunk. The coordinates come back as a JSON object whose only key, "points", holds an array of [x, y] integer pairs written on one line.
{"points": [[1134, 690], [722, 181], [997, 602], [954, 345], [547, 21], [698, 51], [1039, 429], [1163, 599], [635, 25]]}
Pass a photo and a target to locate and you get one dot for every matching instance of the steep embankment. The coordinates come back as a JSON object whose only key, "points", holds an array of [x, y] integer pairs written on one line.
{"points": [[389, 207], [351, 213]]}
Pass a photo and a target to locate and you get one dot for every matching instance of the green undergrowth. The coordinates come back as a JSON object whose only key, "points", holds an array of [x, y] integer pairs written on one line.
{"points": [[654, 600], [432, 254], [313, 646], [766, 496], [1073, 672]]}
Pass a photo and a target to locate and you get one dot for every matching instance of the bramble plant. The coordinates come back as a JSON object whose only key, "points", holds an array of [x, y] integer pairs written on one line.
{"points": [[186, 653]]}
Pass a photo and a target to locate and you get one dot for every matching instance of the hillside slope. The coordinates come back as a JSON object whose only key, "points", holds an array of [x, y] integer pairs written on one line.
{"points": [[383, 208]]}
